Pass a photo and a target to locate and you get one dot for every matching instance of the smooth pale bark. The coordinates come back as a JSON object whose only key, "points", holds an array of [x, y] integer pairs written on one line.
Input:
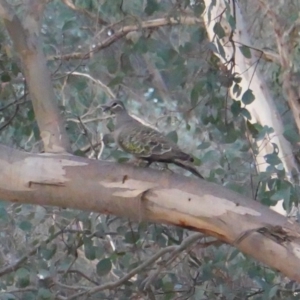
{"points": [[286, 39], [262, 109], [148, 194], [26, 38]]}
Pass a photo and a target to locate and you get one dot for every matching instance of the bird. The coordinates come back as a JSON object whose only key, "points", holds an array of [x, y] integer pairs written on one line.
{"points": [[144, 142]]}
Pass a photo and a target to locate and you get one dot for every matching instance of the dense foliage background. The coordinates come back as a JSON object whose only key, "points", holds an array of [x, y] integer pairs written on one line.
{"points": [[170, 76]]}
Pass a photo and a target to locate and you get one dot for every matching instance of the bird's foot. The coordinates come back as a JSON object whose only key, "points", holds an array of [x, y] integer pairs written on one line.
{"points": [[165, 167], [136, 161]]}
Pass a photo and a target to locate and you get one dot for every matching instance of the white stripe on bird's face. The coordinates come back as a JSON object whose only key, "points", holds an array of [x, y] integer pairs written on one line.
{"points": [[117, 107], [114, 107]]}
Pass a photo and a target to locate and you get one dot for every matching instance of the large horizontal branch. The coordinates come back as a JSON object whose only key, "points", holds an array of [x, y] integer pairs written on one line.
{"points": [[148, 194], [150, 24], [26, 39]]}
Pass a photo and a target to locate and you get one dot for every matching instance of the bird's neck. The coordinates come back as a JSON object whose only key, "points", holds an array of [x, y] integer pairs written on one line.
{"points": [[122, 118]]}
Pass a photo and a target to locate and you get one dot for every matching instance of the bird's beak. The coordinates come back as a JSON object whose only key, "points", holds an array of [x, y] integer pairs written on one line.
{"points": [[105, 108]]}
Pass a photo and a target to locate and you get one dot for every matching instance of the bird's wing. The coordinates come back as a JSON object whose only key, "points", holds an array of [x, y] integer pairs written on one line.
{"points": [[143, 141]]}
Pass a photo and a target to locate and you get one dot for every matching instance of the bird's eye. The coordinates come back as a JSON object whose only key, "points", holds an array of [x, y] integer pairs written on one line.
{"points": [[114, 104]]}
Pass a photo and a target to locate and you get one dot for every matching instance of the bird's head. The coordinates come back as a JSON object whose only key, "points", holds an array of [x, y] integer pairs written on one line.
{"points": [[114, 107]]}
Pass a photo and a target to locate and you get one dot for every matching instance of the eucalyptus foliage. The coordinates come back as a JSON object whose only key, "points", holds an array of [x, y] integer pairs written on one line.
{"points": [[170, 77]]}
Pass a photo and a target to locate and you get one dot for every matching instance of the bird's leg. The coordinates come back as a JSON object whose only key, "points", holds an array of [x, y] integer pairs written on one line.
{"points": [[134, 160], [149, 162], [161, 166], [166, 167], [140, 162]]}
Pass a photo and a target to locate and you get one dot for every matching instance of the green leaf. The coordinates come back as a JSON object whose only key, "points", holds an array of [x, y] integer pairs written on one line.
{"points": [[263, 131], [100, 251], [245, 112], [173, 136], [204, 145], [252, 128], [245, 51], [273, 159], [45, 294], [140, 46], [194, 97], [25, 225], [8, 296], [119, 156], [51, 230], [168, 287], [109, 137], [237, 90], [104, 267], [236, 108], [248, 97], [89, 248], [126, 260], [218, 30], [3, 214], [197, 90], [48, 251], [15, 68], [291, 135], [100, 231], [131, 237], [236, 187], [199, 8], [219, 171], [211, 155], [81, 85], [283, 194], [211, 46], [197, 161], [151, 7], [126, 64], [111, 65], [237, 79], [70, 24], [44, 274], [231, 22], [121, 230], [116, 81], [5, 77], [23, 277], [272, 292], [79, 152], [30, 115], [221, 49]]}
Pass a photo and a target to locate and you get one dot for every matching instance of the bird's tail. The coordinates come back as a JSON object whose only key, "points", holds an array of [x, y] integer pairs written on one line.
{"points": [[188, 166]]}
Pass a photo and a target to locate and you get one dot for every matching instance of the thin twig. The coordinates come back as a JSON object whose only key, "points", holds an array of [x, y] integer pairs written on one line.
{"points": [[126, 29], [13, 267], [85, 12], [113, 285]]}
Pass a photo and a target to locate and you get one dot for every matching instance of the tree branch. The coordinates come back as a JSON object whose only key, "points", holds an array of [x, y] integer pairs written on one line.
{"points": [[26, 39], [76, 182], [285, 49], [143, 266], [15, 266], [124, 31], [85, 12]]}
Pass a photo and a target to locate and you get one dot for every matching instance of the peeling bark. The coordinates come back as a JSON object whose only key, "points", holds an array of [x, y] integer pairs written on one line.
{"points": [[148, 194]]}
